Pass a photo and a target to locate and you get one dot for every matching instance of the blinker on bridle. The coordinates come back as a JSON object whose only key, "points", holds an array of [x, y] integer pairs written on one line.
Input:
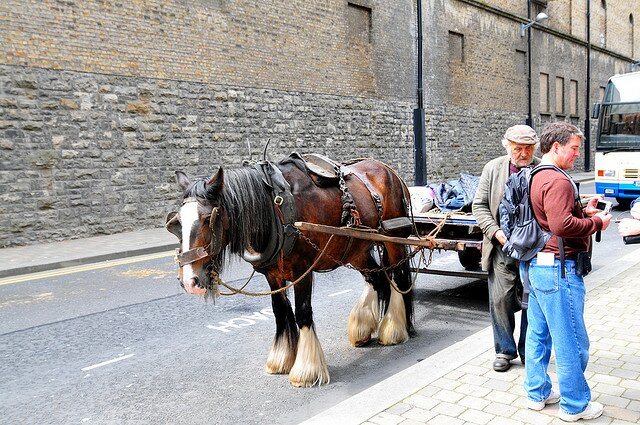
{"points": [[199, 253]]}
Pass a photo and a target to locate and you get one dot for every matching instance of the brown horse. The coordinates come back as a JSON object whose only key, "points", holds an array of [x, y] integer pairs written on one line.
{"points": [[232, 213]]}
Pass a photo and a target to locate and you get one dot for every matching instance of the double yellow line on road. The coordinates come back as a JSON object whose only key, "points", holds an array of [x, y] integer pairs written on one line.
{"points": [[88, 267]]}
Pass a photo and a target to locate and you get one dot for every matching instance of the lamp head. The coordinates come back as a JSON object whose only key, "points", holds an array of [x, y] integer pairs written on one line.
{"points": [[541, 17]]}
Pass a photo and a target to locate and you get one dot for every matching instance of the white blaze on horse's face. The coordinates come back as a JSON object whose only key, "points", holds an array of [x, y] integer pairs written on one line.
{"points": [[189, 219]]}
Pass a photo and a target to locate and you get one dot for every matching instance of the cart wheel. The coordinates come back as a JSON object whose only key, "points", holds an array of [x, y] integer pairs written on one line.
{"points": [[470, 258]]}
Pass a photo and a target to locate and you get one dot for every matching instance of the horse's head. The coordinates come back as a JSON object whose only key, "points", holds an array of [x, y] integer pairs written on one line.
{"points": [[200, 224]]}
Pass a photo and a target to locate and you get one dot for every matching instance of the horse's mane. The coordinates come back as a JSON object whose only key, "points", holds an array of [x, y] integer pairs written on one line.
{"points": [[247, 203]]}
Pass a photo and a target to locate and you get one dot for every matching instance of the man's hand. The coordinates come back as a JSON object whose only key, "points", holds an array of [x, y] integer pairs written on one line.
{"points": [[635, 211], [590, 210], [629, 227], [606, 219], [500, 237]]}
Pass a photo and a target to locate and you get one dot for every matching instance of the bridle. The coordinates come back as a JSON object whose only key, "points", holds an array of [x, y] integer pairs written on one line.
{"points": [[199, 253]]}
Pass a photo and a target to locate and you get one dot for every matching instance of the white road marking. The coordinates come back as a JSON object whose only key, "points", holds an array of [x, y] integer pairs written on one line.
{"points": [[242, 321], [117, 359], [340, 293]]}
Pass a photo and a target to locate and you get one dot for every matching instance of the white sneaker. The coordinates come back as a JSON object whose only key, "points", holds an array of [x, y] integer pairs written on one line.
{"points": [[553, 398], [593, 410]]}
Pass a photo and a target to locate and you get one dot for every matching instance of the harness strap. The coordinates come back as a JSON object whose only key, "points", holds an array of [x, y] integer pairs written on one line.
{"points": [[283, 215], [377, 202], [191, 256]]}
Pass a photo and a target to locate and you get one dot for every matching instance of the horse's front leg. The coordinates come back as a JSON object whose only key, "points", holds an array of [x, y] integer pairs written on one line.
{"points": [[310, 367], [283, 350]]}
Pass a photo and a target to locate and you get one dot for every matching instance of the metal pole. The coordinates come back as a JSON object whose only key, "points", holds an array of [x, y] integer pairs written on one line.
{"points": [[529, 121], [587, 118], [419, 126]]}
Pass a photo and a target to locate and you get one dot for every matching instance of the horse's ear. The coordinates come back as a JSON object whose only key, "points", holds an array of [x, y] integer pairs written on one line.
{"points": [[216, 181], [182, 180]]}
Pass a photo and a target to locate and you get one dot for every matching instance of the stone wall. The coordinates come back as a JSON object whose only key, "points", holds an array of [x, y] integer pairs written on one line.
{"points": [[84, 154]]}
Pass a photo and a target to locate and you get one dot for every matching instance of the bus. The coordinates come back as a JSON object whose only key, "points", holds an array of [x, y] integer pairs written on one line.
{"points": [[617, 162]]}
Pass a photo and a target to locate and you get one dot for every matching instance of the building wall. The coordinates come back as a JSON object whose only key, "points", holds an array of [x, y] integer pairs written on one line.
{"points": [[292, 45], [479, 90], [100, 102]]}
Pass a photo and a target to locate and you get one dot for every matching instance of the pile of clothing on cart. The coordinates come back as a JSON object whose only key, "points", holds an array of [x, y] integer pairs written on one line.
{"points": [[453, 195]]}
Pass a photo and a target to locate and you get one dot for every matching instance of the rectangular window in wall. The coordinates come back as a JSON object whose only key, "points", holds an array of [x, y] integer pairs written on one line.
{"points": [[544, 92], [573, 97], [456, 47], [559, 95], [521, 61], [359, 20]]}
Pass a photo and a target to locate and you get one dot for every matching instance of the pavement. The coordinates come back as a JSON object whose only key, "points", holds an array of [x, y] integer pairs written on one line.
{"points": [[454, 386]]}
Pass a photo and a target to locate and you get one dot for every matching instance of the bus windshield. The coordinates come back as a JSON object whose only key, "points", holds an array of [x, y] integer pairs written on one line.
{"points": [[620, 126], [620, 114]]}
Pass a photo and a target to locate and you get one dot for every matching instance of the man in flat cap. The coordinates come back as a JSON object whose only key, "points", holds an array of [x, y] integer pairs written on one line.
{"points": [[520, 141]]}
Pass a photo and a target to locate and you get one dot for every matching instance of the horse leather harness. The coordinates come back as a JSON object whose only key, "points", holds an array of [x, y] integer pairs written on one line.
{"points": [[283, 216]]}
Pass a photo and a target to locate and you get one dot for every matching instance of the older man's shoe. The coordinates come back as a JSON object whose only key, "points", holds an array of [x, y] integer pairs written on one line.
{"points": [[593, 410], [500, 364]]}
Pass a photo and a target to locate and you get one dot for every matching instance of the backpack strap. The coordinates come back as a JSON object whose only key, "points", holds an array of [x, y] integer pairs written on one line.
{"points": [[576, 197]]}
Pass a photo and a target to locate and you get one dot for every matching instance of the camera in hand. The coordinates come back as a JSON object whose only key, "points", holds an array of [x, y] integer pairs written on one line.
{"points": [[604, 206]]}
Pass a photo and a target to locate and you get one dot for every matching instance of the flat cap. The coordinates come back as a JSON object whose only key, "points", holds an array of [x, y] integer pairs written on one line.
{"points": [[522, 134]]}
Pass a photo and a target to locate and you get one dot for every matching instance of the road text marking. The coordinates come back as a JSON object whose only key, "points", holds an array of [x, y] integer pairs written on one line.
{"points": [[242, 321]]}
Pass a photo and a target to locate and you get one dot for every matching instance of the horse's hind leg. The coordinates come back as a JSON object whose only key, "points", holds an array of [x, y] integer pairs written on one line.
{"points": [[283, 350], [397, 322], [364, 316], [310, 367]]}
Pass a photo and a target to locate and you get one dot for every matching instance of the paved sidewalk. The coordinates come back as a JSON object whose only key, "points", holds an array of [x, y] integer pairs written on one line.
{"points": [[47, 256], [458, 386]]}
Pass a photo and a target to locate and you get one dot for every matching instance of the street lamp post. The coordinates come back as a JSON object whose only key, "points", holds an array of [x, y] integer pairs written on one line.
{"points": [[419, 125], [587, 118], [526, 27]]}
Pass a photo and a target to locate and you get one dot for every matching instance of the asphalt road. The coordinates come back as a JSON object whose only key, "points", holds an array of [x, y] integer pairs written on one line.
{"points": [[121, 343]]}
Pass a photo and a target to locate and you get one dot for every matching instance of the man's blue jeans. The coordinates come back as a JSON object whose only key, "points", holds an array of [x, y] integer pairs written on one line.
{"points": [[556, 317], [503, 304]]}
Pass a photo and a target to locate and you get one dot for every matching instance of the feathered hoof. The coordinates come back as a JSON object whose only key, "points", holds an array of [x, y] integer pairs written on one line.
{"points": [[361, 342], [392, 335], [393, 329], [363, 320], [281, 358], [359, 333], [310, 368], [309, 378], [277, 369]]}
